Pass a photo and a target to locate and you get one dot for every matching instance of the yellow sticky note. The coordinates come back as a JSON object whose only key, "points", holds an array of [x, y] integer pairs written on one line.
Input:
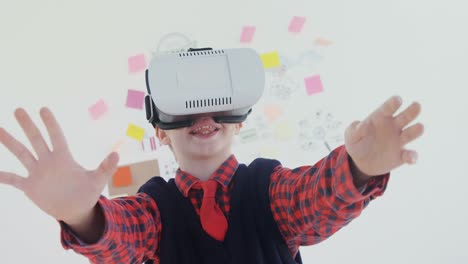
{"points": [[135, 132], [269, 152], [284, 131], [270, 60]]}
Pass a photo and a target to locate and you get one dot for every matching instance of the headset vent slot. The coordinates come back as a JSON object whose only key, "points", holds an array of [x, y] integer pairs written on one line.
{"points": [[208, 102], [201, 53]]}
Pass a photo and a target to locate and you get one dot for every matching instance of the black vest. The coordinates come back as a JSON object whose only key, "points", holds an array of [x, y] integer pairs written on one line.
{"points": [[252, 237]]}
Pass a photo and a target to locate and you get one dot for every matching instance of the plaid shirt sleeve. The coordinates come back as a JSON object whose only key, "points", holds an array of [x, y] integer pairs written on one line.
{"points": [[131, 235], [310, 203]]}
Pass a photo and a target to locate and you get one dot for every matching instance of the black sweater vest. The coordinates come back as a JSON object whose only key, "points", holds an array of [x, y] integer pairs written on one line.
{"points": [[252, 237]]}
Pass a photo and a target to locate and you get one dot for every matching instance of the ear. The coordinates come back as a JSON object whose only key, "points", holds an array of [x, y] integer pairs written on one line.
{"points": [[237, 129], [162, 136]]}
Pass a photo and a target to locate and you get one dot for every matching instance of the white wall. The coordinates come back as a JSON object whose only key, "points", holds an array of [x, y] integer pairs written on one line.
{"points": [[68, 54]]}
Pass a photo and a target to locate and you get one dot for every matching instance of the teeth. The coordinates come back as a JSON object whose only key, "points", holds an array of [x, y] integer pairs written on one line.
{"points": [[206, 129]]}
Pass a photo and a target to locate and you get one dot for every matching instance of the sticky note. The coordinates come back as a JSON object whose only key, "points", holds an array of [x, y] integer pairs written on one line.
{"points": [[284, 131], [128, 179], [149, 144], [118, 144], [135, 132], [98, 109], [247, 34], [122, 177], [248, 135], [296, 24], [135, 99], [272, 111], [313, 85], [269, 152], [323, 42], [136, 63], [270, 60]]}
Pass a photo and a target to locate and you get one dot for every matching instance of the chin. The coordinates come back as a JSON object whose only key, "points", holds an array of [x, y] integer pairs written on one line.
{"points": [[207, 152]]}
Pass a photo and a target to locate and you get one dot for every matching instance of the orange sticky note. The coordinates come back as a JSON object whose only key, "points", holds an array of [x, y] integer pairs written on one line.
{"points": [[122, 177], [323, 42], [272, 112], [118, 144]]}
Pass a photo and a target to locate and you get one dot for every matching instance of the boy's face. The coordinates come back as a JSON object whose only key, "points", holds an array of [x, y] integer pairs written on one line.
{"points": [[203, 140]]}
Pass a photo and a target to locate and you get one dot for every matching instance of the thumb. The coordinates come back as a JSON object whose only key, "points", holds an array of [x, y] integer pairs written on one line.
{"points": [[108, 166], [356, 131]]}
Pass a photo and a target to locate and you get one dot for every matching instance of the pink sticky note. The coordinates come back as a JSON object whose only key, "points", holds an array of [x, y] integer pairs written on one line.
{"points": [[247, 34], [136, 63], [135, 99], [313, 85], [296, 24], [98, 109]]}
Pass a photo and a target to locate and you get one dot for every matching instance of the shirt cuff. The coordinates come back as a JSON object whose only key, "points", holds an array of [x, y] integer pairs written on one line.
{"points": [[343, 183], [70, 240]]}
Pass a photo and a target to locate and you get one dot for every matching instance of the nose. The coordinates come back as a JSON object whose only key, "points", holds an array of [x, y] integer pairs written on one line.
{"points": [[202, 118]]}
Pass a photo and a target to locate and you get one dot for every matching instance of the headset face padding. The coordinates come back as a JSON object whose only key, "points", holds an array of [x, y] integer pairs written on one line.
{"points": [[152, 117]]}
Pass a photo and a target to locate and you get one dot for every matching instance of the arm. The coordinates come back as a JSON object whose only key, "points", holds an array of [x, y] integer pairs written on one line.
{"points": [[130, 231], [311, 203], [66, 191]]}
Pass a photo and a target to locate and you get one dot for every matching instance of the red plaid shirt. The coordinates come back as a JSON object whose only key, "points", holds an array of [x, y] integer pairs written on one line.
{"points": [[309, 203]]}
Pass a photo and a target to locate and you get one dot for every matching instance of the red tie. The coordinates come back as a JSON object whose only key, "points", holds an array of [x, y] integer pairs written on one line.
{"points": [[212, 218]]}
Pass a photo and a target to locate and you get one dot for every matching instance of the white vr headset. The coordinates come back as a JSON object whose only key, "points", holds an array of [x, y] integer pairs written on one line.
{"points": [[182, 86]]}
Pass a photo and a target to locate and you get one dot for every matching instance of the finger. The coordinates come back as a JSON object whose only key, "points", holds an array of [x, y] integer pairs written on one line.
{"points": [[56, 135], [12, 179], [108, 166], [409, 156], [411, 133], [32, 132], [18, 149], [390, 106], [408, 115], [356, 131]]}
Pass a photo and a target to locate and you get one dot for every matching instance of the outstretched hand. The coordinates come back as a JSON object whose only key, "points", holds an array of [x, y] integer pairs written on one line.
{"points": [[377, 144], [56, 182]]}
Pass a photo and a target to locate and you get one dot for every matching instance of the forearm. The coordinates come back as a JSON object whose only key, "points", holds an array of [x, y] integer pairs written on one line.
{"points": [[359, 178], [126, 230], [90, 227], [316, 201]]}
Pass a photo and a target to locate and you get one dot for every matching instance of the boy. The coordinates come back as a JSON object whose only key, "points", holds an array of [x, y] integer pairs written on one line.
{"points": [[295, 207]]}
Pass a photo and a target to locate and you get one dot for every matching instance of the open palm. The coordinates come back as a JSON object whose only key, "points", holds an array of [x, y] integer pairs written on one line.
{"points": [[377, 144], [56, 182]]}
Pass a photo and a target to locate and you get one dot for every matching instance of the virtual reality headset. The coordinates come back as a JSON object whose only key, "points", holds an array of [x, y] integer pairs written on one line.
{"points": [[222, 83]]}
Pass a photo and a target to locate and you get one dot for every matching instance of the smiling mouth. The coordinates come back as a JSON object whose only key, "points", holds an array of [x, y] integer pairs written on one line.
{"points": [[204, 130]]}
